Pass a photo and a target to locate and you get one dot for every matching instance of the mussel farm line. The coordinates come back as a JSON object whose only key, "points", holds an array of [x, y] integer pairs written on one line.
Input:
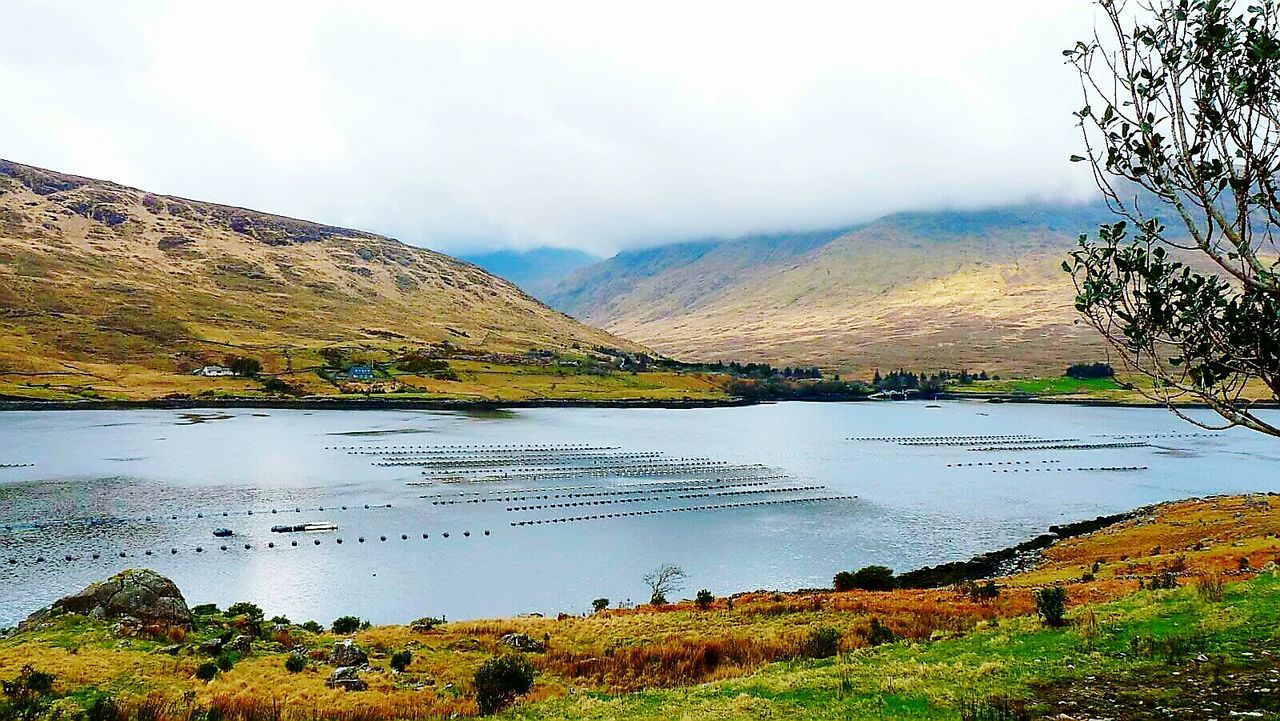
{"points": [[1000, 463], [1059, 469], [159, 518], [476, 448], [225, 547], [656, 499], [17, 465], [596, 494], [1063, 447], [684, 509]]}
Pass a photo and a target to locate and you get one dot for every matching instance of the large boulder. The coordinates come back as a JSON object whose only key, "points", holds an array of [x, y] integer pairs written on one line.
{"points": [[346, 653], [523, 643], [139, 594]]}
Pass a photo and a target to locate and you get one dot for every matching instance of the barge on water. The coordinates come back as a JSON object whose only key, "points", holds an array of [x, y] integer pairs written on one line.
{"points": [[305, 527]]}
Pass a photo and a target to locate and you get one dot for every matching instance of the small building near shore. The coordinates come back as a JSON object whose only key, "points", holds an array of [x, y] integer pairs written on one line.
{"points": [[213, 371], [360, 373]]}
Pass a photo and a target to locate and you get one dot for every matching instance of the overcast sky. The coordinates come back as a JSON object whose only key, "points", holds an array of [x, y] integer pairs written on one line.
{"points": [[594, 125]]}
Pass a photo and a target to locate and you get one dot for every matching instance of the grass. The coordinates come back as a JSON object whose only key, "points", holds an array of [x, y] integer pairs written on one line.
{"points": [[745, 657]]}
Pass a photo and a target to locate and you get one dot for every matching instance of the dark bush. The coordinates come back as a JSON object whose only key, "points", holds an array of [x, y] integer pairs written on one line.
{"points": [[822, 642], [1088, 371], [500, 680], [1051, 605], [295, 663], [27, 691], [244, 608], [226, 661], [704, 599], [204, 609], [346, 624], [281, 621], [312, 627], [206, 671], [400, 660], [874, 578], [843, 581], [879, 634], [600, 604]]}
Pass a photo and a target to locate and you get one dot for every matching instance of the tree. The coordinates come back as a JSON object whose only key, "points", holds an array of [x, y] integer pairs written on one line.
{"points": [[599, 604], [843, 581], [346, 624], [704, 599], [663, 580], [1051, 605], [247, 367], [874, 578], [499, 680], [244, 608], [1181, 123]]}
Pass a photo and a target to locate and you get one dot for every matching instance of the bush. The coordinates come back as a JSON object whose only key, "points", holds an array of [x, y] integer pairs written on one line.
{"points": [[244, 608], [281, 386], [874, 578], [295, 663], [312, 627], [400, 660], [822, 642], [599, 604], [1210, 588], [843, 581], [346, 624], [1051, 605], [982, 592], [204, 609], [281, 621], [500, 680], [226, 661], [206, 671], [27, 691], [879, 634], [1088, 371], [704, 599]]}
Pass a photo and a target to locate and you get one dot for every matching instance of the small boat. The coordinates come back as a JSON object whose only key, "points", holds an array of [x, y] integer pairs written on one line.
{"points": [[223, 532], [305, 527]]}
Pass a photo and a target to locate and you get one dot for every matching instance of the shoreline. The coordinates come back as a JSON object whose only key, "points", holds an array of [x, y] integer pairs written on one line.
{"points": [[444, 404]]}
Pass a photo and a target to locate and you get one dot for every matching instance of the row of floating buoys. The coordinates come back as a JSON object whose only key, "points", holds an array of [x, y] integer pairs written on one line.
{"points": [[584, 473], [224, 547], [654, 511], [692, 463], [1063, 447], [1013, 442], [486, 447], [600, 461], [113, 520], [16, 465], [593, 494], [511, 459], [580, 504], [999, 463], [1152, 436], [784, 489], [900, 439], [1050, 470]]}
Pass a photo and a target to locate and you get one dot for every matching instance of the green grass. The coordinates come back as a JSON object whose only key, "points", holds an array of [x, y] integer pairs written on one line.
{"points": [[1061, 385], [1015, 659]]}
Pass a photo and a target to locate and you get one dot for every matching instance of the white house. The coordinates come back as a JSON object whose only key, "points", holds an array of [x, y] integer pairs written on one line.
{"points": [[213, 371]]}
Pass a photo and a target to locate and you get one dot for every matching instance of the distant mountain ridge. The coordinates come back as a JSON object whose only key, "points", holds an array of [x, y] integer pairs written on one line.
{"points": [[537, 271], [111, 283], [941, 289]]}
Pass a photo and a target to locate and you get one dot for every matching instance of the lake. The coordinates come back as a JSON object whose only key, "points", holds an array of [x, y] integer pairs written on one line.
{"points": [[775, 496]]}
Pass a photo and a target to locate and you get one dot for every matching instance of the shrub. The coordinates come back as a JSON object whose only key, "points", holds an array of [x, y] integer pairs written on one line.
{"points": [[993, 708], [226, 661], [704, 599], [204, 609], [1088, 371], [312, 627], [27, 691], [346, 624], [822, 642], [1051, 605], [599, 604], [1210, 588], [246, 609], [879, 634], [843, 581], [400, 660], [874, 578], [983, 592], [500, 680], [1165, 581], [295, 663], [206, 671], [281, 621]]}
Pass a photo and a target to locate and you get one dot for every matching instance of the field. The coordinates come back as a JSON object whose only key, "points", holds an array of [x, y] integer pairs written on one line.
{"points": [[1176, 609]]}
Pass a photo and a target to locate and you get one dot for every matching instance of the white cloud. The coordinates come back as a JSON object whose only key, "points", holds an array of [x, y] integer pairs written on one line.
{"points": [[587, 124]]}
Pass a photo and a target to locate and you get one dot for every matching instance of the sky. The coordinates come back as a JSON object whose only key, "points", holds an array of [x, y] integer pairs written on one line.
{"points": [[590, 125]]}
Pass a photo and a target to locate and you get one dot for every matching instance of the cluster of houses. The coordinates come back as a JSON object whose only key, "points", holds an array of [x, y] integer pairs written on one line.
{"points": [[213, 371]]}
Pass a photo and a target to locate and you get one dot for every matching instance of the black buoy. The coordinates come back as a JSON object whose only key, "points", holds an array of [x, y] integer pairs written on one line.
{"points": [[96, 556], [147, 553], [424, 535], [295, 544], [199, 549], [271, 544], [446, 534], [486, 533], [67, 557], [404, 536], [361, 539], [224, 548], [247, 546], [383, 537], [339, 541], [173, 551], [467, 533]]}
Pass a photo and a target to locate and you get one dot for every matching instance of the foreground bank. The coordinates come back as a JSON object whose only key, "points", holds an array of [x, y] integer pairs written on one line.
{"points": [[1169, 614]]}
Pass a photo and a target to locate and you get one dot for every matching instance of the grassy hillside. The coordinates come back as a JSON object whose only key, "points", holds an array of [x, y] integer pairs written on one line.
{"points": [[110, 291], [1170, 615], [980, 289]]}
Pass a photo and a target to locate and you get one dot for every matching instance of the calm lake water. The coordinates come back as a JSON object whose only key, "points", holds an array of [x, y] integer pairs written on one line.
{"points": [[102, 483]]}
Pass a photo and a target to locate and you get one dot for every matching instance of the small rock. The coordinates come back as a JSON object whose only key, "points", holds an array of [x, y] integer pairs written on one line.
{"points": [[346, 678], [523, 643], [170, 650]]}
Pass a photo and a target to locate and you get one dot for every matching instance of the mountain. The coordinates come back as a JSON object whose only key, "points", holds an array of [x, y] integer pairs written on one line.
{"points": [[536, 271], [949, 289], [127, 289]]}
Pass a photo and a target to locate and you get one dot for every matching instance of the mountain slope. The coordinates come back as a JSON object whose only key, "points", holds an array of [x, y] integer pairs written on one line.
{"points": [[536, 271], [977, 289], [104, 281]]}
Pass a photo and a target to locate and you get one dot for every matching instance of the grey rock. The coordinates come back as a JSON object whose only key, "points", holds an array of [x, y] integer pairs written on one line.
{"points": [[241, 644], [141, 596], [346, 678], [523, 642], [346, 653]]}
